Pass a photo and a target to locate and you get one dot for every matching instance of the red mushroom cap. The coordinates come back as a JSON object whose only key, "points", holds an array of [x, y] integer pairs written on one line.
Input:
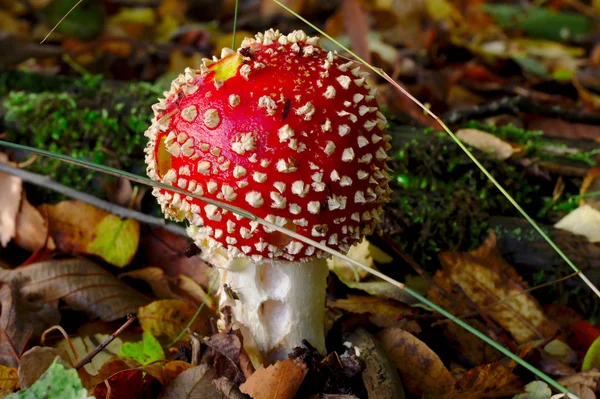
{"points": [[280, 128]]}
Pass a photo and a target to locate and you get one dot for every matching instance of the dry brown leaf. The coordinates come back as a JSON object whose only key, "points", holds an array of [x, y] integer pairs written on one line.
{"points": [[173, 369], [280, 380], [32, 230], [422, 370], [78, 227], [84, 344], [82, 284], [20, 321], [487, 381], [36, 360], [11, 188], [493, 146], [591, 184], [584, 221], [195, 382], [383, 312], [497, 289]]}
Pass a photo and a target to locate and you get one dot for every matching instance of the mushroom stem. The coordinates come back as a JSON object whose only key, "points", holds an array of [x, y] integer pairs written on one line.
{"points": [[276, 304]]}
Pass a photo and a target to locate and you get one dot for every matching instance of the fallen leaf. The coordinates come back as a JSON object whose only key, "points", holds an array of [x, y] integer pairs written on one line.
{"points": [[379, 375], [492, 145], [383, 312], [561, 351], [535, 390], [193, 383], [582, 383], [32, 231], [145, 351], [280, 380], [132, 383], [228, 388], [168, 287], [584, 221], [9, 378], [84, 344], [382, 289], [173, 369], [422, 370], [57, 382], [169, 317], [11, 188], [363, 252], [497, 289], [82, 284], [227, 356], [20, 321], [78, 227], [487, 381], [36, 361]]}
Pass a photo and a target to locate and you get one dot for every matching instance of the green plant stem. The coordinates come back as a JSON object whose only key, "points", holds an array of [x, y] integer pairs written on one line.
{"points": [[235, 16]]}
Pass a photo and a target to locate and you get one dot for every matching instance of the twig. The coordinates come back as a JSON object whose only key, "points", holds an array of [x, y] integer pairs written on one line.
{"points": [[65, 335], [104, 343], [46, 182], [514, 105]]}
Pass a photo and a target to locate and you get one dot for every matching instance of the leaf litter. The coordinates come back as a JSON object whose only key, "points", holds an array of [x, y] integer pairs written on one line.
{"points": [[89, 264]]}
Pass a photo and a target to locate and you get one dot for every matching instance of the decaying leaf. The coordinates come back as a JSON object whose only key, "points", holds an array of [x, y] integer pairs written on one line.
{"points": [[57, 382], [145, 351], [379, 376], [173, 369], [422, 370], [196, 382], [36, 361], [497, 289], [84, 344], [81, 228], [383, 312], [535, 390], [131, 383], [9, 378], [584, 220], [169, 317], [280, 380], [492, 145], [488, 381], [561, 351], [582, 384], [10, 200], [20, 321], [82, 284], [32, 230], [228, 357], [363, 252], [383, 289]]}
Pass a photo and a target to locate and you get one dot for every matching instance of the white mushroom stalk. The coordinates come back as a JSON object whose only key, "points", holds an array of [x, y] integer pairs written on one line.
{"points": [[292, 134]]}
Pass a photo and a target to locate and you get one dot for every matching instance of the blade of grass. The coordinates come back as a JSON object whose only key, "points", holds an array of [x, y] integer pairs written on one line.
{"points": [[59, 22], [235, 15], [420, 298]]}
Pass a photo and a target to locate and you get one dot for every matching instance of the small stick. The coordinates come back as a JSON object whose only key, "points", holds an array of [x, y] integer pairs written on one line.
{"points": [[105, 343]]}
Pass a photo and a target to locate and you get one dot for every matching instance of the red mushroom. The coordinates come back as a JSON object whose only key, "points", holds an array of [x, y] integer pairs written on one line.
{"points": [[293, 134]]}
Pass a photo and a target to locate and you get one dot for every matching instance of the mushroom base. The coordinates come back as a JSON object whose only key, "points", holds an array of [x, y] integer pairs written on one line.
{"points": [[275, 304]]}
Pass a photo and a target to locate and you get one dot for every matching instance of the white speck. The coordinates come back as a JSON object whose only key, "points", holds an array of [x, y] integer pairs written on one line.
{"points": [[228, 192], [295, 209], [246, 143], [319, 230], [334, 176], [366, 158], [330, 92], [268, 103], [245, 233], [230, 226], [300, 222], [254, 198], [265, 163], [318, 186], [333, 239], [344, 81], [181, 182], [285, 167], [362, 141], [336, 202], [326, 127], [211, 212], [285, 133], [203, 167], [184, 170], [239, 171], [280, 186], [359, 197], [381, 154], [355, 216], [245, 71], [218, 233], [174, 149], [216, 151], [362, 110], [343, 130], [170, 176], [242, 183], [307, 110], [187, 149], [234, 100], [359, 82], [299, 188], [294, 247], [211, 118], [204, 146], [344, 67], [189, 113], [259, 177], [211, 187], [345, 181], [317, 177], [329, 148], [218, 83], [314, 207], [376, 139], [357, 98], [362, 175], [348, 155], [279, 201], [369, 125], [231, 240], [347, 103]]}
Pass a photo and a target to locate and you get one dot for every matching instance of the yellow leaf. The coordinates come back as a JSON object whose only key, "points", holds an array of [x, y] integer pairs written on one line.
{"points": [[116, 240], [363, 252], [9, 379], [170, 317]]}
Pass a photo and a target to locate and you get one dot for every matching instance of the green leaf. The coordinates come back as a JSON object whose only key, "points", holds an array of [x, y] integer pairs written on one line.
{"points": [[592, 356], [116, 240], [146, 351], [56, 383], [535, 390], [540, 22]]}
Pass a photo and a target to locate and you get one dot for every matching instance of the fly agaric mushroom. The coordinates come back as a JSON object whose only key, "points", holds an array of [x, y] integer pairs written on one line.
{"points": [[293, 134]]}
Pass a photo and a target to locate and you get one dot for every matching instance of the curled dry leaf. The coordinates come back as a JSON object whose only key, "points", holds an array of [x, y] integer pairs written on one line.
{"points": [[422, 370], [196, 382], [81, 228], [382, 312], [379, 376], [492, 145], [32, 230], [11, 188], [20, 321], [280, 380], [169, 317], [228, 357], [167, 287], [82, 284], [488, 381], [363, 252], [36, 361], [584, 220], [497, 289]]}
